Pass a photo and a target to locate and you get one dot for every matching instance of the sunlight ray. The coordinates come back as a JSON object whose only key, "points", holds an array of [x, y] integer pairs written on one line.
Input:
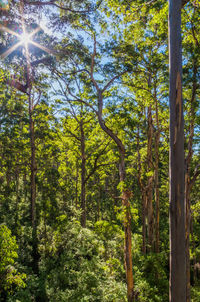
{"points": [[25, 38], [41, 47], [35, 31], [10, 50], [9, 31]]}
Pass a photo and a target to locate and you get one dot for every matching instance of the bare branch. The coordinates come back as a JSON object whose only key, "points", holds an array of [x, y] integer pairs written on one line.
{"points": [[72, 134], [184, 2], [113, 79], [92, 65], [53, 3], [195, 175], [38, 99], [95, 166], [193, 29]]}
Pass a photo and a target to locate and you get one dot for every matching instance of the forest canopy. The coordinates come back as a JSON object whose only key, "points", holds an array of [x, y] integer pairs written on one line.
{"points": [[99, 151]]}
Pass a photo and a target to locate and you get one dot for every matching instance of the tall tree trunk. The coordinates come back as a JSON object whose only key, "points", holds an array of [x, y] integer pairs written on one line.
{"points": [[156, 176], [35, 253], [177, 289], [149, 194], [83, 176], [125, 202], [188, 184], [143, 192], [125, 194], [127, 228], [17, 202], [76, 190]]}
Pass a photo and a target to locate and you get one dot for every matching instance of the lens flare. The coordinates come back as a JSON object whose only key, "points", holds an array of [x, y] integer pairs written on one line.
{"points": [[25, 38]]}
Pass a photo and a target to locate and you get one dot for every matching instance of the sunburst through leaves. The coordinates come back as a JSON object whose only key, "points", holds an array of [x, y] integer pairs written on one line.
{"points": [[24, 39]]}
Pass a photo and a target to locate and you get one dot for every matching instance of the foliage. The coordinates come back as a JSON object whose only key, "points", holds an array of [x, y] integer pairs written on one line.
{"points": [[75, 269], [131, 62], [10, 278]]}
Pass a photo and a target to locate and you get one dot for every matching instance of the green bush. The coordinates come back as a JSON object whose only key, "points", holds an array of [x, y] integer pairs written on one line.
{"points": [[10, 279], [76, 271]]}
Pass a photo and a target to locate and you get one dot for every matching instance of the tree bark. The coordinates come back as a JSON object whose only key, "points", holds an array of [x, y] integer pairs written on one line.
{"points": [[149, 194], [188, 183], [76, 189], [122, 174], [177, 288], [143, 192], [125, 202], [83, 176], [156, 176], [127, 230], [35, 253]]}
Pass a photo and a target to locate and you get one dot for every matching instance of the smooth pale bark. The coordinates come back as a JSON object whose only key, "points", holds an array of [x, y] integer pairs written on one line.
{"points": [[177, 289]]}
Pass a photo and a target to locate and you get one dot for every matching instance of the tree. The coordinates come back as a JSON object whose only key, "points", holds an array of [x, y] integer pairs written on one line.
{"points": [[10, 278], [176, 166]]}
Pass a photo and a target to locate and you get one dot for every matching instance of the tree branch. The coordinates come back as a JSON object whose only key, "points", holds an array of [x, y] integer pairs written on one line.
{"points": [[93, 170], [92, 65], [195, 175], [53, 3], [112, 80]]}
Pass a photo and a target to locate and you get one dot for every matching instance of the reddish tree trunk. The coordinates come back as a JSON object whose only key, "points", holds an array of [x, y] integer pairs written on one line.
{"points": [[127, 230]]}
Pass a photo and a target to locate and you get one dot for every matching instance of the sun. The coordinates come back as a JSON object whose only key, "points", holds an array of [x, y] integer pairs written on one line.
{"points": [[25, 38]]}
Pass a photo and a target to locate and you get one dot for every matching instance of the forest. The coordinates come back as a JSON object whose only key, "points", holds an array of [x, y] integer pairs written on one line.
{"points": [[99, 151]]}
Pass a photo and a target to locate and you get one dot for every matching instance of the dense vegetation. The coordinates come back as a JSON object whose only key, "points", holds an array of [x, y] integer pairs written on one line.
{"points": [[84, 151]]}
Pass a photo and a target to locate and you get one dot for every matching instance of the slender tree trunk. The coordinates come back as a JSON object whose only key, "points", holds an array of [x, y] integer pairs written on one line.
{"points": [[125, 202], [99, 204], [156, 175], [149, 194], [76, 193], [143, 192], [188, 184], [144, 217], [17, 201], [188, 220], [83, 176], [33, 170], [35, 253], [127, 229], [177, 289]]}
